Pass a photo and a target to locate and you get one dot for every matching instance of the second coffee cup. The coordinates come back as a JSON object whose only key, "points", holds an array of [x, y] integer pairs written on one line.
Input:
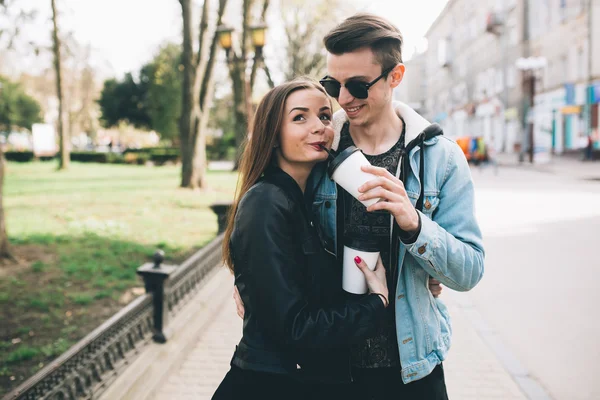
{"points": [[345, 170], [353, 279]]}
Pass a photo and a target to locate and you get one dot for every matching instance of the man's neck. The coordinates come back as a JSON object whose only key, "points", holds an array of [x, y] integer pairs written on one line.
{"points": [[380, 135]]}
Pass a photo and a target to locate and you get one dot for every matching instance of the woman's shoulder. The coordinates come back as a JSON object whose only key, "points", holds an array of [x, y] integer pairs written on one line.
{"points": [[265, 194], [264, 201]]}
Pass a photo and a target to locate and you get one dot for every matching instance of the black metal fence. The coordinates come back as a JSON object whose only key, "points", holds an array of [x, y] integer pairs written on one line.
{"points": [[91, 365]]}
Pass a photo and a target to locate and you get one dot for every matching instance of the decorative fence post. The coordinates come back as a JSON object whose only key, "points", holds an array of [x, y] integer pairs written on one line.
{"points": [[155, 274], [222, 211]]}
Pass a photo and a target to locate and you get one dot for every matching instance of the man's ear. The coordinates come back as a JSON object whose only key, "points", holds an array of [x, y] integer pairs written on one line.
{"points": [[397, 74]]}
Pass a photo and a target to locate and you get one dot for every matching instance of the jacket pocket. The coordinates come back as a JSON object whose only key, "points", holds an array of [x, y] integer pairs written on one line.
{"points": [[310, 246]]}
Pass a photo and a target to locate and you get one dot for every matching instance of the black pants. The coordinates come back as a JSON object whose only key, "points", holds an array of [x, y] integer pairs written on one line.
{"points": [[249, 385], [245, 384], [386, 384]]}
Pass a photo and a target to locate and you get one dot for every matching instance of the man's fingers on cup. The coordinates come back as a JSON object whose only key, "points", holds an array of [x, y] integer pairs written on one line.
{"points": [[376, 170], [390, 183], [392, 207], [382, 193]]}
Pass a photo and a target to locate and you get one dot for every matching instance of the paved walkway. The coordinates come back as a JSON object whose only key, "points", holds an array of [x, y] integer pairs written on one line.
{"points": [[473, 372], [566, 165]]}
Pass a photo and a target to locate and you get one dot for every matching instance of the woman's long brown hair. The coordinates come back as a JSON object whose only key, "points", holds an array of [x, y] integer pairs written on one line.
{"points": [[258, 154]]}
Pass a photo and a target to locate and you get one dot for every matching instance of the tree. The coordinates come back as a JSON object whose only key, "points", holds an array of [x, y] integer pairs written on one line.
{"points": [[124, 100], [64, 156], [242, 82], [153, 101], [305, 23], [197, 91], [4, 247], [163, 76], [80, 91], [11, 100], [17, 108]]}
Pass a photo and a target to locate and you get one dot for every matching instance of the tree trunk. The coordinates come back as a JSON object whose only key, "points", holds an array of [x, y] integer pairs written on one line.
{"points": [[238, 79], [4, 251], [62, 134], [189, 123], [196, 94]]}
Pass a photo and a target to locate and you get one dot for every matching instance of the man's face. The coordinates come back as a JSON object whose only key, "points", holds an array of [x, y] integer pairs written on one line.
{"points": [[360, 65]]}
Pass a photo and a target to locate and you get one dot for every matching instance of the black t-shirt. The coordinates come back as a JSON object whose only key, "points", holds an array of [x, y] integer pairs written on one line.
{"points": [[380, 350]]}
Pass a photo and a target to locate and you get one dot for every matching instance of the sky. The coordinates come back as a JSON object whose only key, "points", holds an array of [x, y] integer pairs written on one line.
{"points": [[125, 34]]}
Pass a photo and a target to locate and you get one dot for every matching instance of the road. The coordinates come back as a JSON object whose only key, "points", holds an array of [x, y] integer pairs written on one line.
{"points": [[539, 294]]}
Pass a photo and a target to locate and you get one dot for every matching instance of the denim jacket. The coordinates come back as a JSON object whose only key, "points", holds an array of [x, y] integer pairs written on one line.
{"points": [[449, 247]]}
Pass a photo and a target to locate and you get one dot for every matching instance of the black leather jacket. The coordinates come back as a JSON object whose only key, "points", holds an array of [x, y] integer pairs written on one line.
{"points": [[297, 319]]}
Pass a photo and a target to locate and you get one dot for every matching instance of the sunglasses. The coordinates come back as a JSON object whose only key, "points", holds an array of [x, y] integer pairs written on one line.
{"points": [[357, 89]]}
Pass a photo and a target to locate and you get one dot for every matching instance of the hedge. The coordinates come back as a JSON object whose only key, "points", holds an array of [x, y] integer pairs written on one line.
{"points": [[19, 156], [158, 155]]}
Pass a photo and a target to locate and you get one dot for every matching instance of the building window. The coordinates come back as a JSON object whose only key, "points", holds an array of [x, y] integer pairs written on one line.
{"points": [[444, 52], [512, 31], [510, 77], [547, 75], [580, 65], [563, 10]]}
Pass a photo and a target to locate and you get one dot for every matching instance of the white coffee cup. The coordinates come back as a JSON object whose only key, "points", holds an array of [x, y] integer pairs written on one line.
{"points": [[353, 279], [345, 170]]}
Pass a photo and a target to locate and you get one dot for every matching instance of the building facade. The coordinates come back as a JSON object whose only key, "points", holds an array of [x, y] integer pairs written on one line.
{"points": [[562, 33], [413, 88], [472, 85], [472, 82]]}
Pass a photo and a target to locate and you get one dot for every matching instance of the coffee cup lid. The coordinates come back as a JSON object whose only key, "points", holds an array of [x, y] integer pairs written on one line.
{"points": [[340, 158], [361, 243]]}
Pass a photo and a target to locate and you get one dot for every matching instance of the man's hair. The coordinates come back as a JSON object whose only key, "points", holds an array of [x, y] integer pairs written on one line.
{"points": [[367, 30]]}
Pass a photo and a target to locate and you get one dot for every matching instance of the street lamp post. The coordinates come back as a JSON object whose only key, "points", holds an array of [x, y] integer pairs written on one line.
{"points": [[530, 66], [237, 63]]}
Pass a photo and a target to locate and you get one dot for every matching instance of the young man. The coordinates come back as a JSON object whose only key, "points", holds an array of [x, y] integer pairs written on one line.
{"points": [[425, 224]]}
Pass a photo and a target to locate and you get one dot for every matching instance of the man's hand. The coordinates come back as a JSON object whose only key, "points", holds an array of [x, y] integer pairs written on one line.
{"points": [[393, 197], [435, 287], [239, 304]]}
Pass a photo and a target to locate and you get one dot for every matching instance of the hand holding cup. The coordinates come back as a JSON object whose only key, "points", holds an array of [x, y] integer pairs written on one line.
{"points": [[376, 279]]}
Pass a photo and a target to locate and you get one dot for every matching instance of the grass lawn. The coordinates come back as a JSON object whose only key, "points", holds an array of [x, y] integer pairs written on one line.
{"points": [[79, 236]]}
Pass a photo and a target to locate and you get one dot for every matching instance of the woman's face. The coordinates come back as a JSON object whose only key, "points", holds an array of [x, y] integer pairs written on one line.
{"points": [[306, 125]]}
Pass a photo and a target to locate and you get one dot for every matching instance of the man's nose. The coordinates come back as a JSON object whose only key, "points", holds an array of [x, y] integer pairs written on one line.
{"points": [[345, 97]]}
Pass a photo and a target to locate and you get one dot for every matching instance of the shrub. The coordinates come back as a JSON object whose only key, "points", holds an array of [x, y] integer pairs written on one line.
{"points": [[89, 156], [19, 156]]}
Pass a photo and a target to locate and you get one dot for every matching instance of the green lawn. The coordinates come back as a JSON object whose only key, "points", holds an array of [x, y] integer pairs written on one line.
{"points": [[79, 236]]}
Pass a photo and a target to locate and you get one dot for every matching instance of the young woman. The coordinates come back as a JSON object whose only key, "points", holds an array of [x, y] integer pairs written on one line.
{"points": [[297, 321]]}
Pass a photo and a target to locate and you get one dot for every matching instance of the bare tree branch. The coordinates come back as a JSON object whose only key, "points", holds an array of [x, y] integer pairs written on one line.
{"points": [[207, 76], [258, 60], [203, 31], [268, 74]]}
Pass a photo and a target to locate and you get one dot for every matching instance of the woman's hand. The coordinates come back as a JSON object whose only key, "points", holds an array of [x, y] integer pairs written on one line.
{"points": [[376, 280], [239, 304], [435, 287]]}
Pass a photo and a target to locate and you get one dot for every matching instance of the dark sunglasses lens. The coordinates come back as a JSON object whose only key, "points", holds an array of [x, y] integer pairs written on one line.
{"points": [[331, 87], [357, 89]]}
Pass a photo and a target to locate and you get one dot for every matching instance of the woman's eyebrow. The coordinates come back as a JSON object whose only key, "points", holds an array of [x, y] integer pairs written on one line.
{"points": [[298, 108]]}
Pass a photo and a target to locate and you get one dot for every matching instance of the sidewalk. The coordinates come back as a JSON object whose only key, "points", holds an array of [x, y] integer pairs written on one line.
{"points": [[473, 372], [566, 165]]}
